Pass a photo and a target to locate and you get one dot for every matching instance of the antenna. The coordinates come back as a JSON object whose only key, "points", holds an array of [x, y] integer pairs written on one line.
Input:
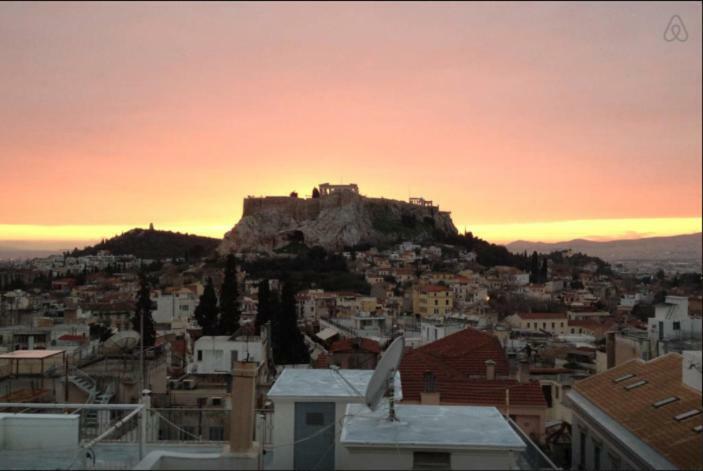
{"points": [[383, 377]]}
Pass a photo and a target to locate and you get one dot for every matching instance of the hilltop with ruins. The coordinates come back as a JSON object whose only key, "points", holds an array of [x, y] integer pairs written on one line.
{"points": [[340, 217]]}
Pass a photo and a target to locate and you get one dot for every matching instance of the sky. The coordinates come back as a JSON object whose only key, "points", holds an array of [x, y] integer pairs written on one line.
{"points": [[533, 121]]}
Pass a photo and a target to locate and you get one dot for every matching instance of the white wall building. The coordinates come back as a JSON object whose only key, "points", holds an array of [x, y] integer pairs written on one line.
{"points": [[216, 354], [177, 306], [671, 320]]}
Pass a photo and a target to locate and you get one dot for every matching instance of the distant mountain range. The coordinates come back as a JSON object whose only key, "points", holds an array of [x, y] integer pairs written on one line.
{"points": [[15, 253], [686, 247]]}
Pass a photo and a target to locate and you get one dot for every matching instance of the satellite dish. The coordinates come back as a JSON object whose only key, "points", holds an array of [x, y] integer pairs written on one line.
{"points": [[384, 374], [122, 342]]}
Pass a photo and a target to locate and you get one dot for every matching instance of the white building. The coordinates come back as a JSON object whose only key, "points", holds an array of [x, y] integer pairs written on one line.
{"points": [[671, 320], [216, 354], [428, 437], [320, 422], [177, 306]]}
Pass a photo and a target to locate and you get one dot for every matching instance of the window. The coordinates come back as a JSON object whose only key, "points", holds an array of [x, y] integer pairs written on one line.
{"points": [[553, 325], [582, 449], [216, 433], [623, 378], [687, 415], [200, 355], [528, 325], [596, 457], [636, 384], [677, 325], [234, 356], [431, 460], [561, 324], [664, 402], [314, 418], [544, 325], [572, 330]]}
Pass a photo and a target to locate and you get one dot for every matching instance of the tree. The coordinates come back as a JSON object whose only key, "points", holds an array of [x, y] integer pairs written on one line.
{"points": [[293, 194], [229, 303], [143, 309], [534, 267], [264, 305], [206, 314], [315, 192], [287, 341]]}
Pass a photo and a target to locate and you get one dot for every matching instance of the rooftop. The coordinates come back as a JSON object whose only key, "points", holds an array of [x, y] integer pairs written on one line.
{"points": [[626, 395], [318, 383], [30, 354], [429, 426]]}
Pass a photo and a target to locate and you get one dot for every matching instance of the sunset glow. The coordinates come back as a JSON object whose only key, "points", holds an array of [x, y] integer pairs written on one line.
{"points": [[526, 121]]}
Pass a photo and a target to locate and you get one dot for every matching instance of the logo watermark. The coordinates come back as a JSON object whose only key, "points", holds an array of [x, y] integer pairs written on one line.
{"points": [[675, 30]]}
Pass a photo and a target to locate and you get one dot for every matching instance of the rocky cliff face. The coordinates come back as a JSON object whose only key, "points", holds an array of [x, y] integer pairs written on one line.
{"points": [[333, 222]]}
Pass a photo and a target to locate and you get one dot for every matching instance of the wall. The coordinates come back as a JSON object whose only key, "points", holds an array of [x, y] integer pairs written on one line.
{"points": [[612, 457], [284, 425], [401, 458], [38, 431], [214, 362]]}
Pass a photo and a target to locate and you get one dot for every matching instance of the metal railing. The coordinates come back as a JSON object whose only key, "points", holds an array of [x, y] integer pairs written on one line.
{"points": [[533, 457]]}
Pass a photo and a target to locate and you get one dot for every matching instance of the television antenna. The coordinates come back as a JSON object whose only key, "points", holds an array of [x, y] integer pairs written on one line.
{"points": [[384, 376]]}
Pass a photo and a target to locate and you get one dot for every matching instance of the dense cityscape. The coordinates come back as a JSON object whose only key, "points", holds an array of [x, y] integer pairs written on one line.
{"points": [[548, 340], [351, 235]]}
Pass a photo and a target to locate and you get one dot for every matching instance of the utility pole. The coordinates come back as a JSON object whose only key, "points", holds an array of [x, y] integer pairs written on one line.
{"points": [[141, 350]]}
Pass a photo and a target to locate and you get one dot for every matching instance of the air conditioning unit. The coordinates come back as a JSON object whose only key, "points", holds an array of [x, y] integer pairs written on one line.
{"points": [[188, 384]]}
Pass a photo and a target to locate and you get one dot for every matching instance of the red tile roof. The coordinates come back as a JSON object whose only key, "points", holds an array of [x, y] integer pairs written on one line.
{"points": [[453, 359], [633, 408], [348, 345]]}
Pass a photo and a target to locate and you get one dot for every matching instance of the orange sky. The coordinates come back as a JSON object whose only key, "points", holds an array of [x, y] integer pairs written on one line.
{"points": [[117, 115]]}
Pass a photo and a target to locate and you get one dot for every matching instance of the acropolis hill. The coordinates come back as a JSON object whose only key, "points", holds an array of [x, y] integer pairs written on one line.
{"points": [[339, 218]]}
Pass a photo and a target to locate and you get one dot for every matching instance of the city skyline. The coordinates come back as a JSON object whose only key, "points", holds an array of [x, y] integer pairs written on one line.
{"points": [[113, 116]]}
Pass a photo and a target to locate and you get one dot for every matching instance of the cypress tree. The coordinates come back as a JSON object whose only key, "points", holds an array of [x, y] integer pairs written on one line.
{"points": [[229, 294], [288, 342], [144, 308], [264, 305], [206, 314]]}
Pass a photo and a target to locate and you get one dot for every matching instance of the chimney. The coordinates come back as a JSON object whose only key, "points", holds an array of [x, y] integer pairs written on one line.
{"points": [[490, 370], [241, 437], [610, 349], [523, 372]]}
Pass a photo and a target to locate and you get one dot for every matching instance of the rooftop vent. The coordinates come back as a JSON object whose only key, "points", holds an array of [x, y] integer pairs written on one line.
{"points": [[623, 378], [665, 401], [636, 384], [687, 415]]}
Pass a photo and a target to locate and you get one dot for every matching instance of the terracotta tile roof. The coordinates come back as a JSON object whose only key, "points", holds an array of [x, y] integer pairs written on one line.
{"points": [[542, 315], [348, 345], [634, 409], [453, 359]]}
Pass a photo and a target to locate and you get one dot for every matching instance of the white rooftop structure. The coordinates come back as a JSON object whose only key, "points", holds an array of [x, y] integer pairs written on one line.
{"points": [[324, 383], [430, 426]]}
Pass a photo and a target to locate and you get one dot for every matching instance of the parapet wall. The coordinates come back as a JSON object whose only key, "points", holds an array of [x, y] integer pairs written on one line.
{"points": [[300, 208]]}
